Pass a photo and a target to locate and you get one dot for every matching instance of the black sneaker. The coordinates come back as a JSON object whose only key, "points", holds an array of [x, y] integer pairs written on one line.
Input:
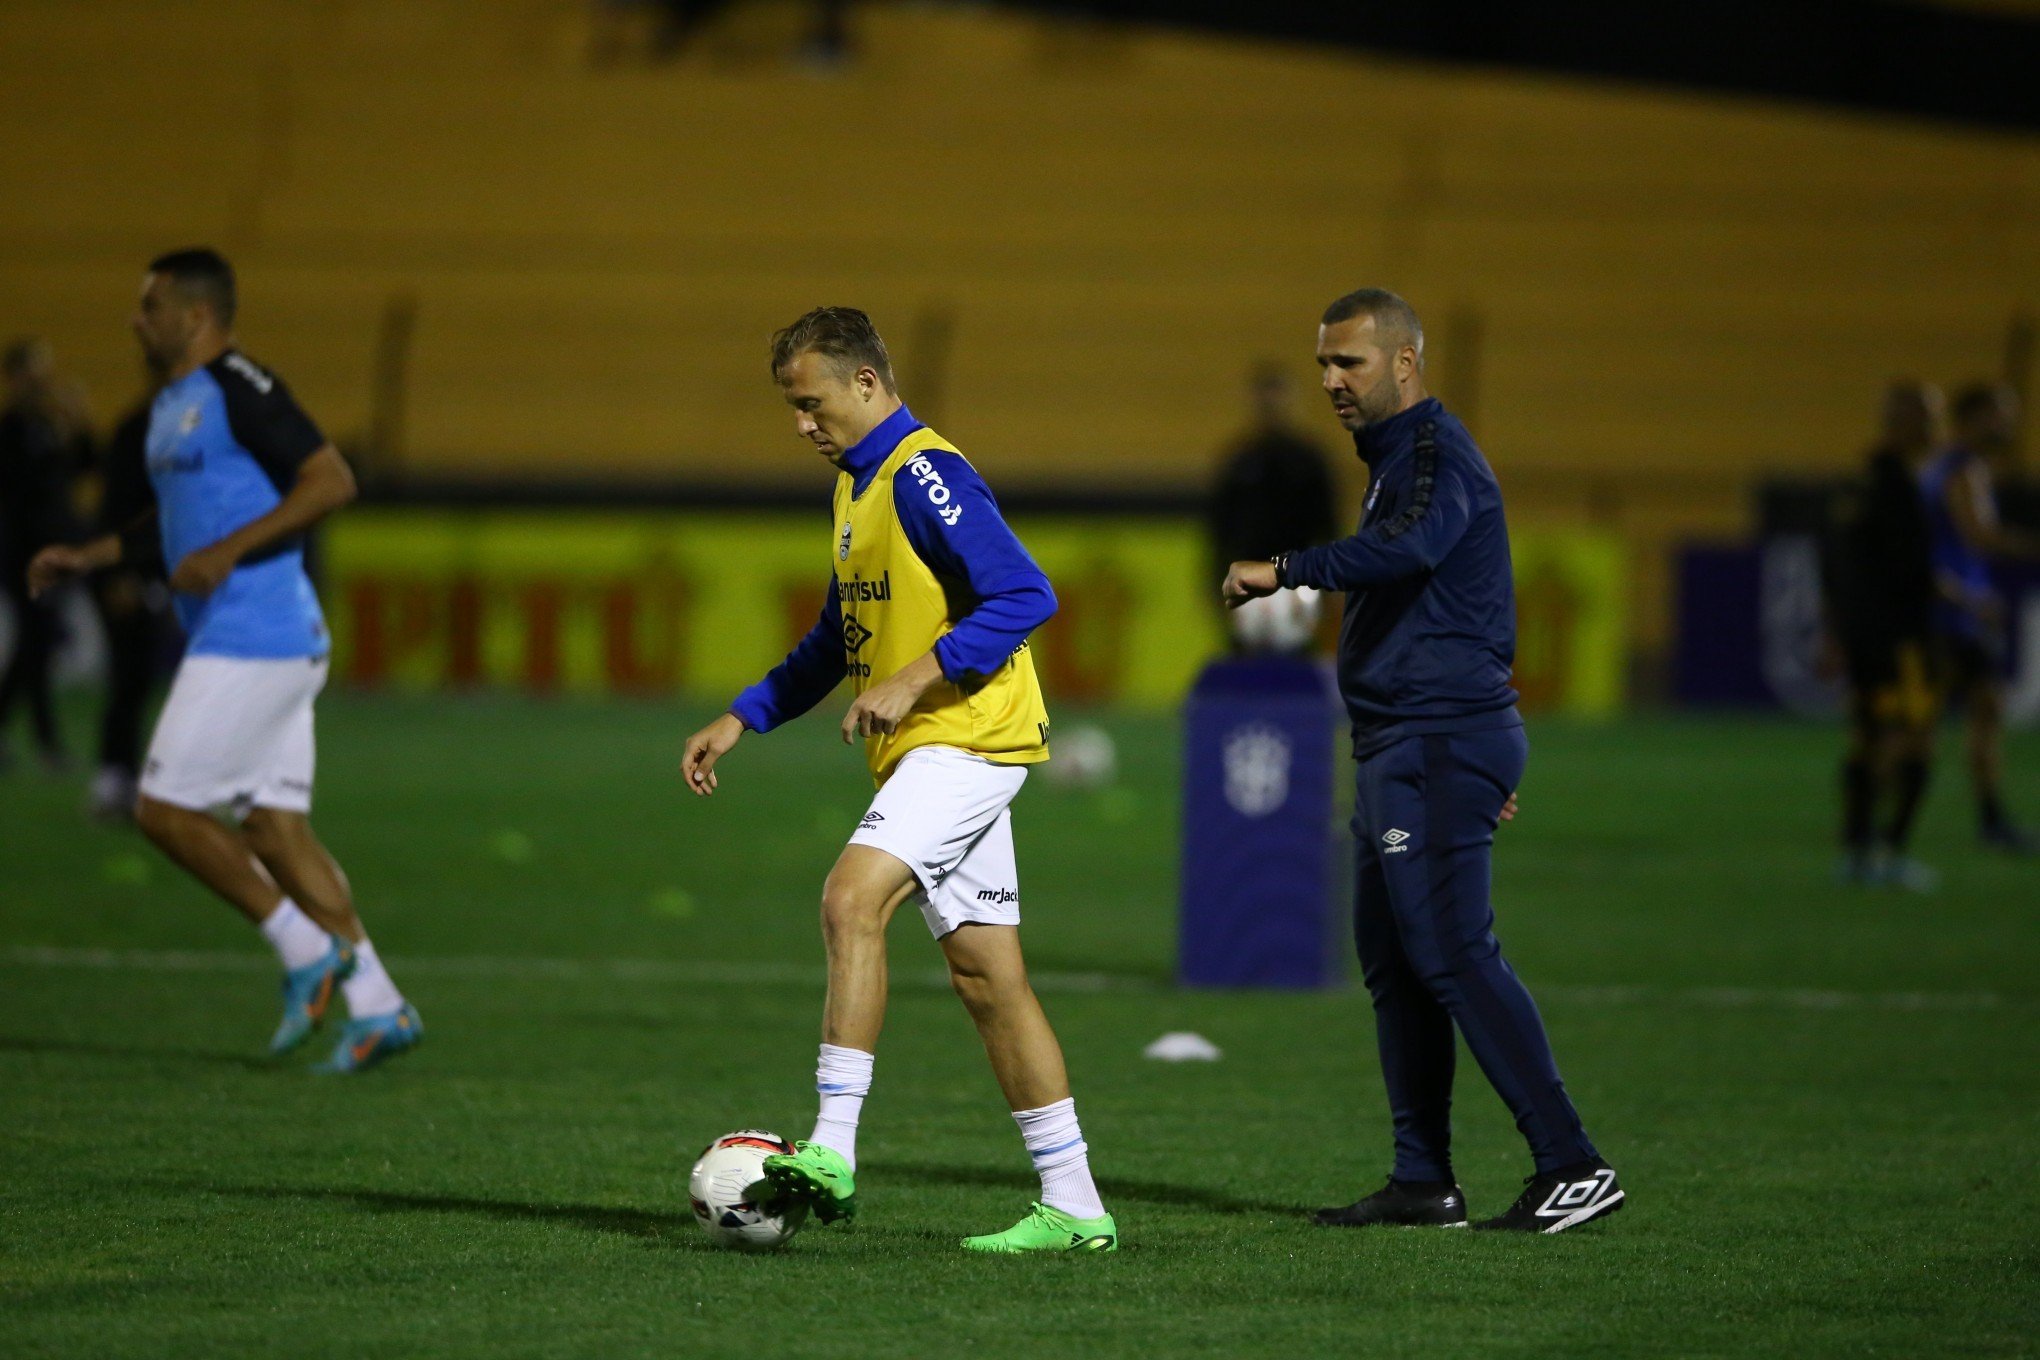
{"points": [[1565, 1198], [1402, 1204], [2011, 839]]}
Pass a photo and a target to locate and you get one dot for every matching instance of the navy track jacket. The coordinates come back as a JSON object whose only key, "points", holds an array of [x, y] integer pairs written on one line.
{"points": [[1429, 636]]}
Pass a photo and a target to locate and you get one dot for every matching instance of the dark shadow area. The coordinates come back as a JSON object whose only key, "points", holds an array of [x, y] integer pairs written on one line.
{"points": [[74, 1048], [1112, 1188], [641, 1223]]}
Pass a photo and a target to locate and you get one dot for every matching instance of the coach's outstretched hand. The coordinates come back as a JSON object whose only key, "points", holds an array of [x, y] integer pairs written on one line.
{"points": [[704, 749], [1248, 581]]}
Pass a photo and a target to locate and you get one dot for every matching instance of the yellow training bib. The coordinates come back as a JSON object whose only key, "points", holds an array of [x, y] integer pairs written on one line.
{"points": [[895, 608]]}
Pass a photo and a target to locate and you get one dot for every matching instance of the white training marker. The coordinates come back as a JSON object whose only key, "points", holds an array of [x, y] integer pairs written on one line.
{"points": [[1182, 1046]]}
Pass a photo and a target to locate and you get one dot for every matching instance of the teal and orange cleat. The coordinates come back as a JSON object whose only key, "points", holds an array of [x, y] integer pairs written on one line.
{"points": [[1046, 1229], [307, 992], [816, 1176], [375, 1039]]}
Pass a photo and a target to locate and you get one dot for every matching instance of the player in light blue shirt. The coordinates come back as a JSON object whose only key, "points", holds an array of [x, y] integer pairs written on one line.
{"points": [[239, 473]]}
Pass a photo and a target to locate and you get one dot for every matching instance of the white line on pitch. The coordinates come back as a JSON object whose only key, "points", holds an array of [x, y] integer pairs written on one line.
{"points": [[701, 972]]}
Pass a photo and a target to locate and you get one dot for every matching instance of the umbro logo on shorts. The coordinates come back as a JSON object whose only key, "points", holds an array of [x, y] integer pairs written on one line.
{"points": [[1394, 838], [871, 819]]}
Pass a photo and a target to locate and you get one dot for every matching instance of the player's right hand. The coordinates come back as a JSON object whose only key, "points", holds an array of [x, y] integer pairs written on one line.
{"points": [[55, 564], [704, 749]]}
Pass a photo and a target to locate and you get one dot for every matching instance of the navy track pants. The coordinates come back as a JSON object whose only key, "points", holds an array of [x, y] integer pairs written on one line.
{"points": [[1425, 816]]}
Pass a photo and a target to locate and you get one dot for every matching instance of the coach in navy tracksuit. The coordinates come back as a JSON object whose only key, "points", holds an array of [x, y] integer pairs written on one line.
{"points": [[1424, 660]]}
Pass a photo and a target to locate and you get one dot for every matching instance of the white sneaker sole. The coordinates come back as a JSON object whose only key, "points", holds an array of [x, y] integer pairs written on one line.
{"points": [[1586, 1215]]}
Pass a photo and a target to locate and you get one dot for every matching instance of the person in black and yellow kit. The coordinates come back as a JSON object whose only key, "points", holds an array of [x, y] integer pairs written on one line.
{"points": [[931, 601], [1879, 585]]}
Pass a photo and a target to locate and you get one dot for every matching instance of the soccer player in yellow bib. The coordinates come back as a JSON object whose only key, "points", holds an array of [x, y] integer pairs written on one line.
{"points": [[931, 601]]}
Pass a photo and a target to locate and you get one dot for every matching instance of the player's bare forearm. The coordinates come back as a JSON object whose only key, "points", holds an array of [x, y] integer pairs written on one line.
{"points": [[324, 484], [881, 708], [1248, 581], [705, 748], [60, 561]]}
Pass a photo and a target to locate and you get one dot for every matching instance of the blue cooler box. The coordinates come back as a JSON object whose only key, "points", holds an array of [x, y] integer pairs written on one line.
{"points": [[1262, 862]]}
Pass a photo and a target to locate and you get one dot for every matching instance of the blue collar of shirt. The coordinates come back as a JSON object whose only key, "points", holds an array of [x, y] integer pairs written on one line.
{"points": [[1386, 438], [868, 454]]}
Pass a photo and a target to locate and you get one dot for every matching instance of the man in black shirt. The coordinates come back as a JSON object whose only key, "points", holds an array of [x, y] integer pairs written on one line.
{"points": [[1274, 489], [134, 609], [1880, 596], [34, 511]]}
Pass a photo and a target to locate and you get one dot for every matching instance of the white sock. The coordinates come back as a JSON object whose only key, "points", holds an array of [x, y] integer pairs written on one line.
{"points": [[843, 1079], [294, 936], [1061, 1157], [369, 990]]}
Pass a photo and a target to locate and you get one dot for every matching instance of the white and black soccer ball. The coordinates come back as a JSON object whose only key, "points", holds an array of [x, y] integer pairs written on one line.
{"points": [[1083, 757], [1283, 622], [719, 1189]]}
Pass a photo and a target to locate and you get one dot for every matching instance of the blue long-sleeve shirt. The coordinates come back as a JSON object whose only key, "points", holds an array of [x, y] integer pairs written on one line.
{"points": [[1429, 634], [999, 595]]}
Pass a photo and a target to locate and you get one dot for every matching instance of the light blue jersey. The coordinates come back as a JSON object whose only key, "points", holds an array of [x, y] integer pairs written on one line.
{"points": [[225, 444]]}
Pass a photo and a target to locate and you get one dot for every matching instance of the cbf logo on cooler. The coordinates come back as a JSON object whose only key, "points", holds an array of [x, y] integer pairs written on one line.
{"points": [[1257, 759]]}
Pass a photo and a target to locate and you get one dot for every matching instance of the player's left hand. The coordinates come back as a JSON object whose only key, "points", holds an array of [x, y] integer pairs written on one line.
{"points": [[879, 710], [1509, 809], [201, 572], [1248, 581]]}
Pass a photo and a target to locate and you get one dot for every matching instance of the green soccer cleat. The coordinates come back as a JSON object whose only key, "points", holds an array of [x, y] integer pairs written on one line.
{"points": [[816, 1176], [1046, 1229]]}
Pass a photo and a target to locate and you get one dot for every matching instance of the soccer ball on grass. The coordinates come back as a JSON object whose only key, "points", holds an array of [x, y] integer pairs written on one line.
{"points": [[720, 1186]]}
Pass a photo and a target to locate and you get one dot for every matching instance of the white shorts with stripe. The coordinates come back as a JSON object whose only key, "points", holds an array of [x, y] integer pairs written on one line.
{"points": [[236, 733], [946, 814]]}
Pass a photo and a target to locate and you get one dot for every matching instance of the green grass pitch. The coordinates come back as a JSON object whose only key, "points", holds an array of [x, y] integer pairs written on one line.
{"points": [[1825, 1104]]}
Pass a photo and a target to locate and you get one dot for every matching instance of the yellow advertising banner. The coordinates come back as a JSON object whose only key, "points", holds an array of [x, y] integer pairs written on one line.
{"points": [[704, 602]]}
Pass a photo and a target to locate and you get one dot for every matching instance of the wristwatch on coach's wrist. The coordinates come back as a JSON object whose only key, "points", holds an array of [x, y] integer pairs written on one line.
{"points": [[1280, 561]]}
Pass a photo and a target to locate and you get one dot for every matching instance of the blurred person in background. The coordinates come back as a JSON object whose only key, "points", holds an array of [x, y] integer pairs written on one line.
{"points": [[238, 473], [1969, 613], [1879, 587], [659, 28], [1274, 488], [134, 608], [36, 434]]}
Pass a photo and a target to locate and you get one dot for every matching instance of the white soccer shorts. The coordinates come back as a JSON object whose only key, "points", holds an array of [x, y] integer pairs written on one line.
{"points": [[236, 733], [946, 814]]}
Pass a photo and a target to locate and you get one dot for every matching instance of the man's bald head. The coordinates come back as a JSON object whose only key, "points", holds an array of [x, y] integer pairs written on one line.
{"points": [[1395, 321]]}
